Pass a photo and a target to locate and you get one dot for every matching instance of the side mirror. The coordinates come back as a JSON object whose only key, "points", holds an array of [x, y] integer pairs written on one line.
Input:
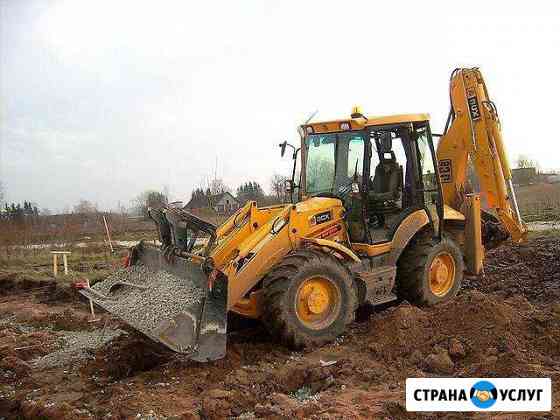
{"points": [[283, 148]]}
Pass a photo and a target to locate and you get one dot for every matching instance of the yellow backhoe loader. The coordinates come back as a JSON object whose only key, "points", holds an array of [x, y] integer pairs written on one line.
{"points": [[377, 214]]}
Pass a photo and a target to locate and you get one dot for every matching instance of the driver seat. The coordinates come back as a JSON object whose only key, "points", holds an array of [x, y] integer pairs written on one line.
{"points": [[387, 185]]}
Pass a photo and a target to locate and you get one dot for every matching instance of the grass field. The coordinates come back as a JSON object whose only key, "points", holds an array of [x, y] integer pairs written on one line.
{"points": [[539, 201], [27, 255], [25, 250], [93, 262]]}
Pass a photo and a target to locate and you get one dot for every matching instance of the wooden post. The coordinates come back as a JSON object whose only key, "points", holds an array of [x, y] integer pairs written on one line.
{"points": [[55, 255], [55, 264], [108, 234], [91, 304], [93, 318], [65, 259]]}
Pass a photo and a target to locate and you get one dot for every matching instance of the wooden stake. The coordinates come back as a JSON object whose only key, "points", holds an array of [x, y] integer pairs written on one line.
{"points": [[55, 264], [65, 260], [55, 255], [108, 234], [93, 319], [28, 347]]}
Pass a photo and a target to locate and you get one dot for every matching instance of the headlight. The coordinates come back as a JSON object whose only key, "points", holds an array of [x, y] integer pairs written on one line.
{"points": [[309, 129], [278, 225]]}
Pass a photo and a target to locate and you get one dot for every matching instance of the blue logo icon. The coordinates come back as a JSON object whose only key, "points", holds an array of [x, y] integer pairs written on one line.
{"points": [[483, 394]]}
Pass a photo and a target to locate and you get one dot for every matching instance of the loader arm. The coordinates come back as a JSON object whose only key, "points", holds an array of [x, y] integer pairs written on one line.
{"points": [[473, 132]]}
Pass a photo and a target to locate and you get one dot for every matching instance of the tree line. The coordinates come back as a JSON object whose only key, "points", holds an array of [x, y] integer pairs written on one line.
{"points": [[247, 191], [18, 212]]}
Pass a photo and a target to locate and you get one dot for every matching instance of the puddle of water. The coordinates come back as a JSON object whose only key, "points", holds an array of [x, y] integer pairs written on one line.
{"points": [[124, 244], [541, 226]]}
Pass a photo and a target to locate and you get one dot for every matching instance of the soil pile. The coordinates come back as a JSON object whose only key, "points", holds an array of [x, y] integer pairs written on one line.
{"points": [[506, 323], [531, 269]]}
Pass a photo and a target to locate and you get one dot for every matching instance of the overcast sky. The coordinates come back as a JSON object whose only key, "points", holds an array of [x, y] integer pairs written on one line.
{"points": [[101, 100]]}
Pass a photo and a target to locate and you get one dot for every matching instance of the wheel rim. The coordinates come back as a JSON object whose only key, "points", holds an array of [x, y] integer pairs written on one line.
{"points": [[442, 274], [317, 302]]}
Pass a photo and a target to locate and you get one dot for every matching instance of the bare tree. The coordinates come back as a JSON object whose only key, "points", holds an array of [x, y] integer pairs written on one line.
{"points": [[85, 207], [278, 186], [147, 199], [218, 186], [523, 161], [213, 186]]}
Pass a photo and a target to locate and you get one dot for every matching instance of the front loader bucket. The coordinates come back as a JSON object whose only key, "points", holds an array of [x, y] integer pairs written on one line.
{"points": [[167, 299]]}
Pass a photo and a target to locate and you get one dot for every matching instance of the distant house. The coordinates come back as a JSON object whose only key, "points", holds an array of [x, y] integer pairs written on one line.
{"points": [[551, 178], [222, 203], [524, 176]]}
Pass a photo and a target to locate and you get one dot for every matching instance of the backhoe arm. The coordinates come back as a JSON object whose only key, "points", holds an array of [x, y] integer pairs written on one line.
{"points": [[473, 131]]}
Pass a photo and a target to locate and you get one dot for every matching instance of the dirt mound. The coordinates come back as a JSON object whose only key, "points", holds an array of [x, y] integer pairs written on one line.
{"points": [[15, 365], [476, 334], [473, 316], [12, 282], [38, 410], [128, 355], [29, 344], [8, 282], [531, 269], [44, 291], [505, 324], [46, 317]]}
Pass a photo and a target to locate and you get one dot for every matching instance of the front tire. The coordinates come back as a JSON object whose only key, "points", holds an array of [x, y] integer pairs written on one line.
{"points": [[309, 299], [430, 272]]}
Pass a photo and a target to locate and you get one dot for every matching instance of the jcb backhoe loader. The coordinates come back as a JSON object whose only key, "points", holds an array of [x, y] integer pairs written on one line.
{"points": [[376, 215]]}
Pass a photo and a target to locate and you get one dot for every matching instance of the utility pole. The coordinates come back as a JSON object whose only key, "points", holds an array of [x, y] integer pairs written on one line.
{"points": [[216, 169]]}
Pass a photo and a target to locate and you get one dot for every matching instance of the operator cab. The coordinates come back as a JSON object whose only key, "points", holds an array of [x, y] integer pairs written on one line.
{"points": [[382, 168]]}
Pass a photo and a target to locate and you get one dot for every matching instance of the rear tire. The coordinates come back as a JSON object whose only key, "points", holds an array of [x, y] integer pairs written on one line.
{"points": [[430, 272], [309, 299]]}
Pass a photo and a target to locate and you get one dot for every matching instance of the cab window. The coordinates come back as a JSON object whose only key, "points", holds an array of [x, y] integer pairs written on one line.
{"points": [[427, 167]]}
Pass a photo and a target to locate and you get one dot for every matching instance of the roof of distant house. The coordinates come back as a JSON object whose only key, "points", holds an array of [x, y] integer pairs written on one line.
{"points": [[205, 201]]}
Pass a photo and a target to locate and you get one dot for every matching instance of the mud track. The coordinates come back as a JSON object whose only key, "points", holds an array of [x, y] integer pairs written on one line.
{"points": [[506, 323]]}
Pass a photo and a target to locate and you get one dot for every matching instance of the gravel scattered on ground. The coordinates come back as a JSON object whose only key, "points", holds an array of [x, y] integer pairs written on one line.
{"points": [[75, 346], [7, 320], [163, 297]]}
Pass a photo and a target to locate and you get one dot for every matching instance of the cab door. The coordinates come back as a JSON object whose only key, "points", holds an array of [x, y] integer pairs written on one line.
{"points": [[393, 187], [429, 186]]}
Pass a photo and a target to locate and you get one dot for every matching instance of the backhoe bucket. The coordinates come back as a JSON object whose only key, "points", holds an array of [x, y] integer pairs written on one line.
{"points": [[167, 298]]}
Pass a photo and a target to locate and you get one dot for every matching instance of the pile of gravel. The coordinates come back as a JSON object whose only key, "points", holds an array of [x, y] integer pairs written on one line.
{"points": [[163, 297], [75, 345]]}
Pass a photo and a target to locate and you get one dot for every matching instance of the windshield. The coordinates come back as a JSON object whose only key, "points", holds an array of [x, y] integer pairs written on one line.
{"points": [[332, 161]]}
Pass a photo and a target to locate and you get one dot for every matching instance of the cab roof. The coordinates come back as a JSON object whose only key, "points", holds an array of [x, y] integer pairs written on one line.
{"points": [[361, 123]]}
